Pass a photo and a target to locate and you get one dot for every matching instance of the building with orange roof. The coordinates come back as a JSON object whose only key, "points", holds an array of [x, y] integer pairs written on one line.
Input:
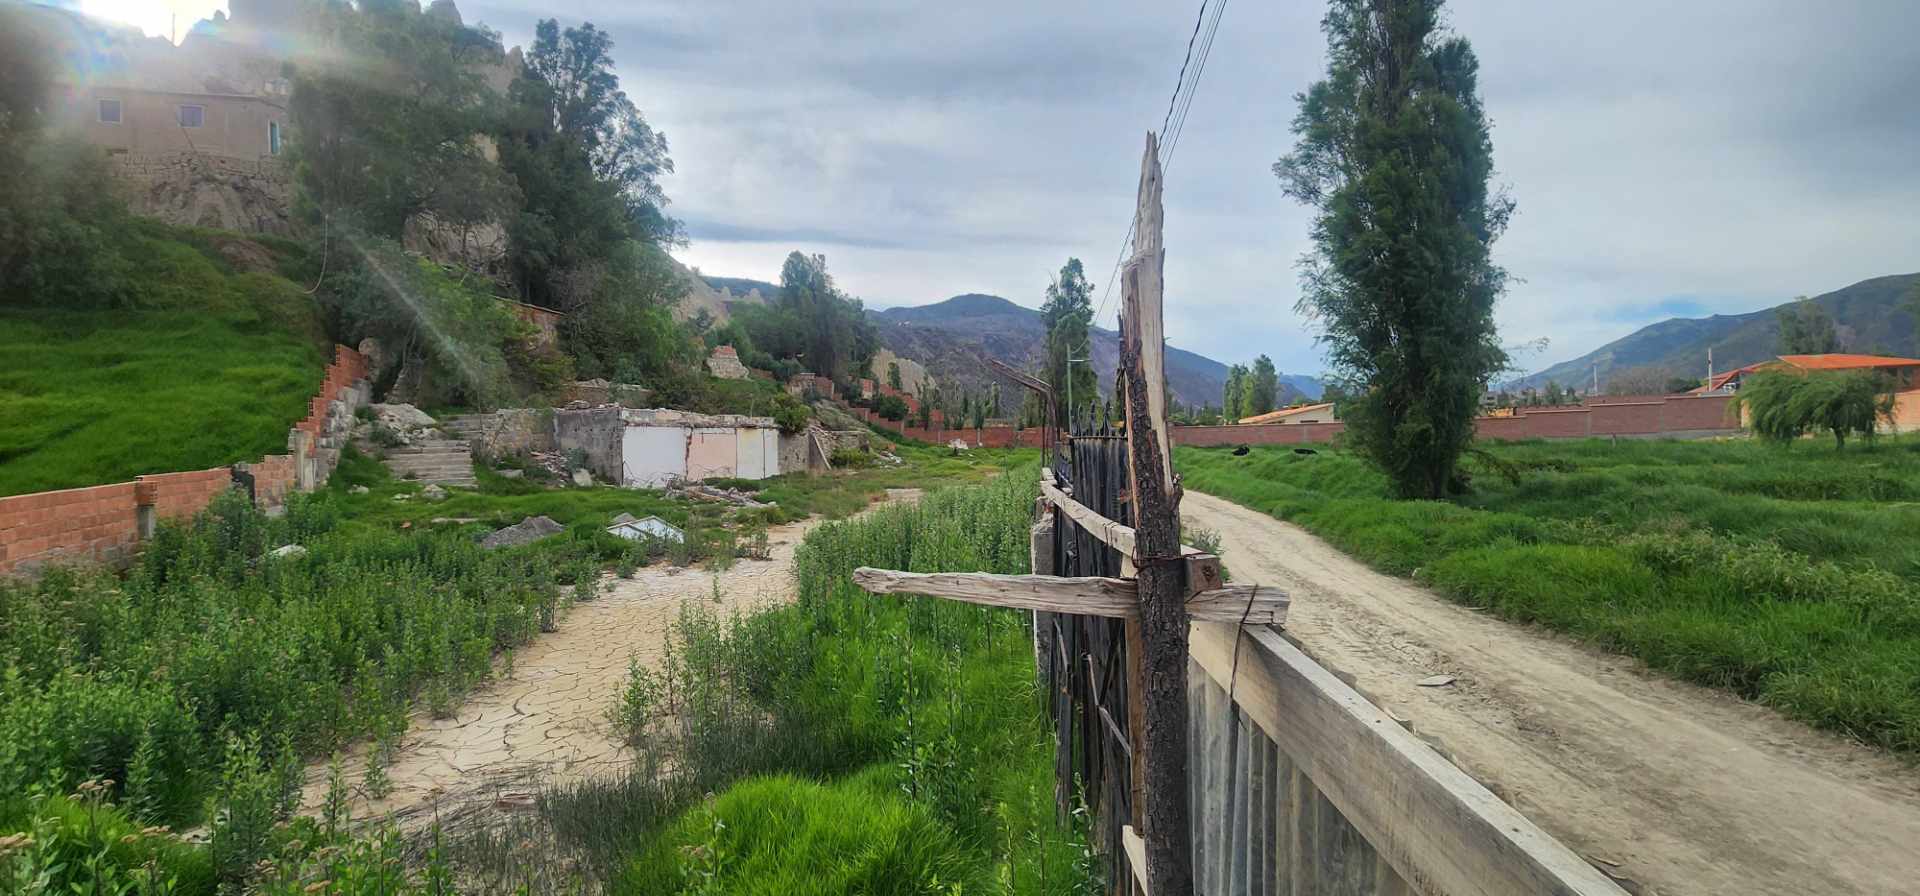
{"points": [[1905, 372], [1306, 413]]}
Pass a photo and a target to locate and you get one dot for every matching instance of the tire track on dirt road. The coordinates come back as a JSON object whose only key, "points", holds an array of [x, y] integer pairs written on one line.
{"points": [[1688, 791]]}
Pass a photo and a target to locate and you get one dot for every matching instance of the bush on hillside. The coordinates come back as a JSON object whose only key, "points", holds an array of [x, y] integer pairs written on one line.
{"points": [[415, 308], [890, 407]]}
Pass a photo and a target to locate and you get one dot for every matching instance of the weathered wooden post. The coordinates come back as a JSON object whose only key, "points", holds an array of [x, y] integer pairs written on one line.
{"points": [[1161, 566]]}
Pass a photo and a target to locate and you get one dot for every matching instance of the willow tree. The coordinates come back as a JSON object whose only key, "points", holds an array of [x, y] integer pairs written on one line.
{"points": [[1395, 152]]}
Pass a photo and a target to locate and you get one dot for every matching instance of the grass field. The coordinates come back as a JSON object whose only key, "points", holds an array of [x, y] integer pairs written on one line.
{"points": [[211, 368], [1786, 575], [843, 743]]}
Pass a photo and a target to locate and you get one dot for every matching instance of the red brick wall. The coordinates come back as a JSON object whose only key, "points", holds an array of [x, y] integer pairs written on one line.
{"points": [[97, 523], [1257, 434], [347, 368], [274, 478], [985, 437], [102, 522], [1699, 412], [1621, 415], [178, 496]]}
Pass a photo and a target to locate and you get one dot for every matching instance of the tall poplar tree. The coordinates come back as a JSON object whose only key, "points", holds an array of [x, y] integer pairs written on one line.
{"points": [[1395, 152], [1068, 313]]}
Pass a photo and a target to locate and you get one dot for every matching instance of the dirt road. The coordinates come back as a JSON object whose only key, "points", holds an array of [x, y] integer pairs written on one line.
{"points": [[546, 722], [1687, 790]]}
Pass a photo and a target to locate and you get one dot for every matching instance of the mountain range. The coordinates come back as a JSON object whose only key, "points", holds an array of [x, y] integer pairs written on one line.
{"points": [[1869, 316], [953, 338]]}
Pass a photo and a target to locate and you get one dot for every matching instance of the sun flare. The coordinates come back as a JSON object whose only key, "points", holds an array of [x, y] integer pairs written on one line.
{"points": [[170, 19]]}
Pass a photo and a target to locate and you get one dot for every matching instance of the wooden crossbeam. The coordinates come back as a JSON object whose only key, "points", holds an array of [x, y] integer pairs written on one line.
{"points": [[1203, 569], [1081, 595]]}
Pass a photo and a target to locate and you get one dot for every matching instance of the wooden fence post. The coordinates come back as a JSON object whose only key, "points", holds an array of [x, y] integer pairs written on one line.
{"points": [[1157, 550]]}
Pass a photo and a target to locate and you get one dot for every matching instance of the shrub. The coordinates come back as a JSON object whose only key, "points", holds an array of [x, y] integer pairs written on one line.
{"points": [[781, 834], [1786, 405], [890, 407]]}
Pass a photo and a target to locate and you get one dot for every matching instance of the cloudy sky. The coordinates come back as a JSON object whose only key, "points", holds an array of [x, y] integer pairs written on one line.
{"points": [[1668, 158]]}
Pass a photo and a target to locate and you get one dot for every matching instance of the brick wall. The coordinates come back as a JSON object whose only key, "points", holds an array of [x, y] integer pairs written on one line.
{"points": [[985, 437], [178, 496], [98, 523], [102, 523], [1622, 415]]}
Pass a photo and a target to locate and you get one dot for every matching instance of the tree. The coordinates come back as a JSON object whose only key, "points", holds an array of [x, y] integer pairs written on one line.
{"points": [[1394, 151], [833, 328], [1234, 397], [1068, 313], [1555, 394], [893, 374], [891, 407], [993, 401], [587, 163], [1784, 405], [1263, 389], [373, 153], [1807, 329]]}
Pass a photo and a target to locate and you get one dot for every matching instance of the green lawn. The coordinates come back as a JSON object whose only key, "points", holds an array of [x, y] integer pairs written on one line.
{"points": [[211, 366], [93, 397], [1786, 575]]}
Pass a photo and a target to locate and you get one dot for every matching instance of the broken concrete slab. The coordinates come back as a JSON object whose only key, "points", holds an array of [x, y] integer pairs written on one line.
{"points": [[526, 531]]}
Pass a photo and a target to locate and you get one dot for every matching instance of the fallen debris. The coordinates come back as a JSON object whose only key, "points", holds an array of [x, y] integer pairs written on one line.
{"points": [[527, 531], [732, 496], [635, 529]]}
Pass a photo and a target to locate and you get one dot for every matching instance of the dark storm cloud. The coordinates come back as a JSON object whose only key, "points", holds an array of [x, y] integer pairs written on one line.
{"points": [[1712, 157]]}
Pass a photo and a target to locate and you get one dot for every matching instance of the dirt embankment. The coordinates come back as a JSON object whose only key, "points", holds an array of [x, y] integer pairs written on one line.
{"points": [[1682, 790]]}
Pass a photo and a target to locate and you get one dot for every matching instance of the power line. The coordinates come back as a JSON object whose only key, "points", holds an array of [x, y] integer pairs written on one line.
{"points": [[1174, 124], [1197, 20]]}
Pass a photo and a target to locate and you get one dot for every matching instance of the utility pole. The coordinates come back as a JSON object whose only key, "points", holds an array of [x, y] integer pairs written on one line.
{"points": [[1709, 367], [1070, 362]]}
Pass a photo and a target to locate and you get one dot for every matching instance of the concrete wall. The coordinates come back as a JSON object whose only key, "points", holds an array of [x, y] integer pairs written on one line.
{"points": [[653, 456], [712, 451], [597, 432]]}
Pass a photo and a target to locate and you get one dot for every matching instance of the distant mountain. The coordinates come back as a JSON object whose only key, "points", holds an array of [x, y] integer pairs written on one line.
{"points": [[1868, 314], [952, 338]]}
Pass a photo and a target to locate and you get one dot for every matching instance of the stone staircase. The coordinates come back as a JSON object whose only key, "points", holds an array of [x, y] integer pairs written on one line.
{"points": [[468, 428], [442, 461]]}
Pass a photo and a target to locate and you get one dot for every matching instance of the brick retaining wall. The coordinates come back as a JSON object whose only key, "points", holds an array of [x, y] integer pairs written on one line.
{"points": [[103, 523]]}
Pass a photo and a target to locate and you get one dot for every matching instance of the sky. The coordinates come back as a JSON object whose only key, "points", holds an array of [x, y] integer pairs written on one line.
{"points": [[1667, 158]]}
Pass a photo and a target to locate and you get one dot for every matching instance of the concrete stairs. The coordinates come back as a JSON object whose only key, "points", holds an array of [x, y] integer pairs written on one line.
{"points": [[468, 428], [442, 461]]}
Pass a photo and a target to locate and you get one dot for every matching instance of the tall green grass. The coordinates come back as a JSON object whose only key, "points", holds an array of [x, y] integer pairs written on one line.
{"points": [[209, 367], [146, 679], [898, 745], [1786, 575]]}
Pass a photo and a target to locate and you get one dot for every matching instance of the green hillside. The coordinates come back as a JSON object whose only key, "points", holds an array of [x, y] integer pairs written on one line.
{"points": [[1869, 314], [215, 360]]}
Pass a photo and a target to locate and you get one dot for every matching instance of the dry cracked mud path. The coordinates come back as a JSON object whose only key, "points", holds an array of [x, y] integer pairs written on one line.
{"points": [[1677, 789], [546, 722]]}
